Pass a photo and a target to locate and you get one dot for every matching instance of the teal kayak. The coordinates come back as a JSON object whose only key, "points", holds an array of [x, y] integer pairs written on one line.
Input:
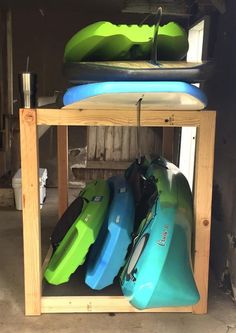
{"points": [[106, 41], [158, 272]]}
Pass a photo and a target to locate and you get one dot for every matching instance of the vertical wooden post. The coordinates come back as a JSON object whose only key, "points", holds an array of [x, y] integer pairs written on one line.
{"points": [[202, 205], [9, 63], [31, 211], [62, 162], [168, 143]]}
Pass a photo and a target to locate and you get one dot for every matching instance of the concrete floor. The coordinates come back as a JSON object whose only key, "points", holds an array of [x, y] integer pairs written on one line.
{"points": [[221, 317]]}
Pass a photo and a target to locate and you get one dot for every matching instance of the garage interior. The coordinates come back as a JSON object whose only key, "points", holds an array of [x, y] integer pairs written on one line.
{"points": [[38, 31]]}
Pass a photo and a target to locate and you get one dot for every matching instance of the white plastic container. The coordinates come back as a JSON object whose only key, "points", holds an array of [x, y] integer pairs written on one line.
{"points": [[16, 184]]}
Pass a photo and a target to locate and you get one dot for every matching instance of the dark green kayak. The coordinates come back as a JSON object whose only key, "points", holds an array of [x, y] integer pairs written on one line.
{"points": [[106, 41]]}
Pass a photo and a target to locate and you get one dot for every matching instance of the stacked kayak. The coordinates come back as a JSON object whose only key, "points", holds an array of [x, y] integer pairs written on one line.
{"points": [[158, 272], [106, 41], [155, 95], [139, 70], [103, 51], [116, 59]]}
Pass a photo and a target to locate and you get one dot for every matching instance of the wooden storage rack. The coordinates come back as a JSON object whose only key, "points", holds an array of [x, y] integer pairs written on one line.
{"points": [[30, 119]]}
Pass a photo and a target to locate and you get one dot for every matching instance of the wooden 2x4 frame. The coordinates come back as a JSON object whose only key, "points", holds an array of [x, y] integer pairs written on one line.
{"points": [[30, 119]]}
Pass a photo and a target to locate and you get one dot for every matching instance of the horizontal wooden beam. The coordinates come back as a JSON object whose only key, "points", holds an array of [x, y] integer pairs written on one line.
{"points": [[66, 304], [107, 304], [108, 165], [120, 117]]}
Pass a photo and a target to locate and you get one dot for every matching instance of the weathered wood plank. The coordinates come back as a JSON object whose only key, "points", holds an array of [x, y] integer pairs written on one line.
{"points": [[109, 153], [62, 164], [118, 139], [100, 147], [168, 143], [125, 143], [133, 148], [106, 165], [91, 141]]}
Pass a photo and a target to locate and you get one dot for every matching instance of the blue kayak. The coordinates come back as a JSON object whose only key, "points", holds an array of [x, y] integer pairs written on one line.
{"points": [[159, 272], [157, 95], [108, 253]]}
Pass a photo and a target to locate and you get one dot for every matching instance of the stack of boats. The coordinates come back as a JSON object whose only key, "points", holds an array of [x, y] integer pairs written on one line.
{"points": [[137, 226]]}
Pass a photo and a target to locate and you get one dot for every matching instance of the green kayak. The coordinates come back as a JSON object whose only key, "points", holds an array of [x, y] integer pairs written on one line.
{"points": [[106, 41], [73, 248]]}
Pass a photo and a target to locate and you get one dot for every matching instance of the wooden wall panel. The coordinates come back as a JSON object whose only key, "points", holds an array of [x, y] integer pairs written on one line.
{"points": [[108, 142], [110, 149], [117, 144], [125, 144], [120, 143]]}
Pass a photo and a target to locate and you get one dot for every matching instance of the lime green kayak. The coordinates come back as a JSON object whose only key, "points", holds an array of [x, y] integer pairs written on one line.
{"points": [[106, 41], [73, 248]]}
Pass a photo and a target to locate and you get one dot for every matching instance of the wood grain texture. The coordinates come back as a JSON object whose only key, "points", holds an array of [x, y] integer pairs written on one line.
{"points": [[202, 205], [88, 117], [107, 304], [108, 165], [168, 143], [126, 101], [91, 142], [133, 147], [62, 164], [31, 211], [109, 152], [117, 143], [100, 143], [125, 143]]}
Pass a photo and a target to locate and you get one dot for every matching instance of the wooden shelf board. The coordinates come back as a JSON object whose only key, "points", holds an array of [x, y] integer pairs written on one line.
{"points": [[76, 296], [117, 118], [76, 304]]}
